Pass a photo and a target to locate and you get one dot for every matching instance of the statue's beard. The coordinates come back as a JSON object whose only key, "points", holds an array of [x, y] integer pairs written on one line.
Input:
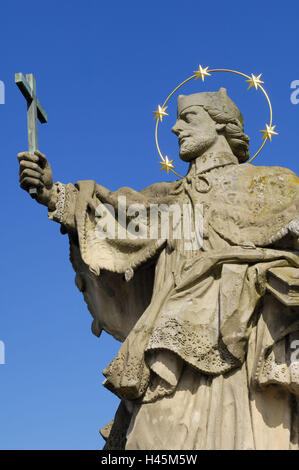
{"points": [[191, 148]]}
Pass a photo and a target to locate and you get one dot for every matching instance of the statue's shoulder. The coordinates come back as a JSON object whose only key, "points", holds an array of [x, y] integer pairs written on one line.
{"points": [[247, 169], [155, 193], [254, 202], [163, 189], [253, 175]]}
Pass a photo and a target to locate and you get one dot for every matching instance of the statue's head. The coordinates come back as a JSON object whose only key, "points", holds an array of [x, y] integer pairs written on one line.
{"points": [[210, 120]]}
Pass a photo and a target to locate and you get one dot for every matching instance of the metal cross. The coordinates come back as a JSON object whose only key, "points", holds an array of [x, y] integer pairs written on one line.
{"points": [[34, 111]]}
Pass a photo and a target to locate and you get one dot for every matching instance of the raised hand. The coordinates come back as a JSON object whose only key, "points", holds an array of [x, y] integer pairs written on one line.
{"points": [[35, 172]]}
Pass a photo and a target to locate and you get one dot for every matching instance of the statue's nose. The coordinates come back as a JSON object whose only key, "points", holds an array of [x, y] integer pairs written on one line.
{"points": [[176, 129]]}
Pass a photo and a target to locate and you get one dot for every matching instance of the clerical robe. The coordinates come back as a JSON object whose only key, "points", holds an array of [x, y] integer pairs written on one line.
{"points": [[207, 359]]}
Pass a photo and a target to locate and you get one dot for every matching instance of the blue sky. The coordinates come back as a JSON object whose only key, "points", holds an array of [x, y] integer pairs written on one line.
{"points": [[101, 69]]}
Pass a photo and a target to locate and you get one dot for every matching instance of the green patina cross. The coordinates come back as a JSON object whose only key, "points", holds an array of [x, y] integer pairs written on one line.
{"points": [[34, 111]]}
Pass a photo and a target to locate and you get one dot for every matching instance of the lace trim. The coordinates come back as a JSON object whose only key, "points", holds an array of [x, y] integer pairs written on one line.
{"points": [[134, 382], [273, 372], [60, 203], [128, 375], [292, 227], [194, 347], [277, 366]]}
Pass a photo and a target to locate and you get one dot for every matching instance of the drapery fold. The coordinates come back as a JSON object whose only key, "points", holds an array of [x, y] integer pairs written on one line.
{"points": [[181, 314]]}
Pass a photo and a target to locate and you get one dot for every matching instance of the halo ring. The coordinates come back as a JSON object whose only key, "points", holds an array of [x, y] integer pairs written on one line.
{"points": [[194, 76]]}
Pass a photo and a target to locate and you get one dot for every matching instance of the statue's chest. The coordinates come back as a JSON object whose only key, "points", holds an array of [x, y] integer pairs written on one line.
{"points": [[204, 197]]}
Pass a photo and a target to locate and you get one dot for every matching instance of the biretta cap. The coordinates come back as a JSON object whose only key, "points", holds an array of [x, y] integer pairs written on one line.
{"points": [[215, 99]]}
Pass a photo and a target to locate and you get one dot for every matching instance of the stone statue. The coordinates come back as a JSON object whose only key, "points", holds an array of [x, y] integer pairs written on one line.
{"points": [[209, 331]]}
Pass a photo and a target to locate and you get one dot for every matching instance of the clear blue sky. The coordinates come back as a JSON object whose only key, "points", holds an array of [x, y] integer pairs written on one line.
{"points": [[101, 69]]}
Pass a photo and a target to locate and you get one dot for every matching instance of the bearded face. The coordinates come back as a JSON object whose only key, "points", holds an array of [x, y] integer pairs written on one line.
{"points": [[196, 132]]}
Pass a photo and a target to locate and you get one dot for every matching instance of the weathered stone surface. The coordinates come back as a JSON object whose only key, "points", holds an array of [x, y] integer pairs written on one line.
{"points": [[209, 327]]}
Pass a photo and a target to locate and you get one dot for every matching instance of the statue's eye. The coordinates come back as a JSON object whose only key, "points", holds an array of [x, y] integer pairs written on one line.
{"points": [[189, 117]]}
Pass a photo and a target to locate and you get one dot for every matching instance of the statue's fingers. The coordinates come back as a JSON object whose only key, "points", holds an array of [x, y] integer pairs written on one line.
{"points": [[28, 156], [40, 155], [31, 173], [31, 165], [30, 183], [42, 158], [21, 155]]}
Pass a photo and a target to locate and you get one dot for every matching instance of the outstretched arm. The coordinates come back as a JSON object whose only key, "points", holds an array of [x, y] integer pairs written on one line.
{"points": [[35, 172]]}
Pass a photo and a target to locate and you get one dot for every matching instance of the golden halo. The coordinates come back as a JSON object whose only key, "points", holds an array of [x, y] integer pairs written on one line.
{"points": [[254, 81]]}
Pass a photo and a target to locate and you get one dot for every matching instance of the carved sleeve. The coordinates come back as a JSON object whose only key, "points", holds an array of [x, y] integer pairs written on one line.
{"points": [[293, 227], [64, 212], [287, 237]]}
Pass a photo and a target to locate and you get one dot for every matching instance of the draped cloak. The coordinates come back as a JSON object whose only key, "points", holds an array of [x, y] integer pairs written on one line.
{"points": [[198, 326]]}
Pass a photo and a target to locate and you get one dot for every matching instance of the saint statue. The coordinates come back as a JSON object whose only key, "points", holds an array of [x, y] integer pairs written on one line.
{"points": [[209, 330]]}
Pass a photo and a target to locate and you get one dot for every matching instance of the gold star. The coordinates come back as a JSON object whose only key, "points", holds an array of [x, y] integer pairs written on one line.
{"points": [[160, 113], [201, 73], [268, 132], [166, 164], [254, 81]]}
